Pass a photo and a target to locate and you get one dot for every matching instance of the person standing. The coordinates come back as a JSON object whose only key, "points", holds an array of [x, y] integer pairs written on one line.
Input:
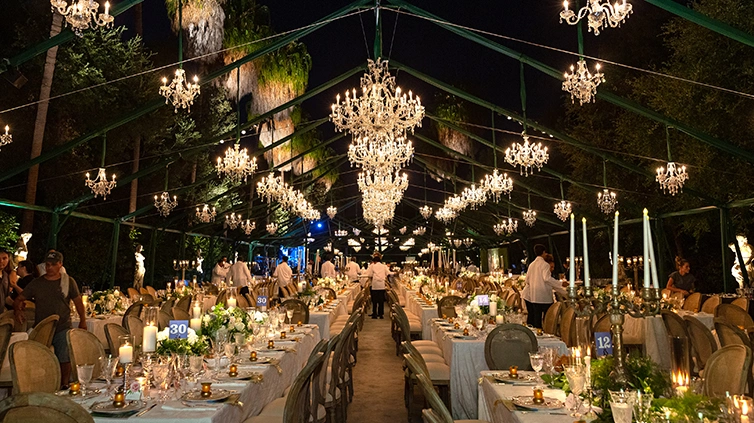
{"points": [[379, 274], [353, 270], [328, 269], [51, 294], [239, 274], [27, 272], [220, 271], [681, 280], [8, 276], [284, 275], [140, 269], [538, 293], [42, 266]]}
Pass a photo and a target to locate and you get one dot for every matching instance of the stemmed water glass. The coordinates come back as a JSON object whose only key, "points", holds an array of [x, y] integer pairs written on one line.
{"points": [[622, 404], [289, 315], [84, 372], [548, 354], [576, 376], [537, 360], [107, 366]]}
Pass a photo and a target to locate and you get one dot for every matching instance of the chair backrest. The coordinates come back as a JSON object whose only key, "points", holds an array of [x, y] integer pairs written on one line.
{"points": [[567, 326], [428, 389], [6, 329], [514, 300], [85, 348], [136, 329], [674, 324], [719, 380], [734, 315], [702, 340], [45, 330], [222, 297], [602, 324], [693, 302], [151, 291], [133, 310], [180, 314], [446, 307], [710, 304], [329, 293], [143, 291], [298, 406], [550, 324], [167, 306], [300, 311], [163, 319], [429, 416], [742, 302], [242, 302], [184, 303], [33, 368], [42, 407], [112, 332], [509, 345], [133, 294], [729, 334]]}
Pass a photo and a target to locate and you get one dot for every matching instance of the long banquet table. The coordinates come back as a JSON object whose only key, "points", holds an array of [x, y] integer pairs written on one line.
{"points": [[324, 318], [425, 312], [494, 405], [96, 325]]}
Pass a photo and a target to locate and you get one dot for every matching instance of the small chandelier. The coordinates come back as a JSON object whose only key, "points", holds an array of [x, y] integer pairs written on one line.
{"points": [[340, 233], [247, 226], [236, 164], [6, 138], [402, 230], [467, 242], [497, 184], [375, 154], [581, 83], [671, 178], [233, 220], [100, 185], [474, 197], [456, 204], [527, 155], [419, 231], [563, 210], [206, 214], [530, 217], [498, 228], [425, 211], [272, 227], [601, 14], [332, 211], [180, 92], [510, 225], [328, 247], [457, 242], [445, 215], [82, 14], [606, 201], [164, 204]]}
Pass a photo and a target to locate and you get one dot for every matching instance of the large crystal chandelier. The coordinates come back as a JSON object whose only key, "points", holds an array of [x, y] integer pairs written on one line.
{"points": [[474, 196], [6, 138], [233, 220], [402, 230], [456, 203], [601, 14], [468, 242], [581, 83], [378, 210], [236, 165], [181, 93], [497, 184], [420, 230], [510, 225], [247, 226], [271, 187], [445, 215], [332, 211], [164, 204], [563, 210], [382, 111], [389, 185], [100, 185], [272, 227], [206, 214], [425, 211], [527, 155], [82, 14], [376, 154], [671, 178], [606, 201], [530, 217]]}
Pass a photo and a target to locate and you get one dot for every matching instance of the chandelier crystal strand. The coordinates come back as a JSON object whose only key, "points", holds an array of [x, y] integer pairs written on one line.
{"points": [[581, 83], [233, 220], [600, 14], [247, 226], [82, 14], [237, 166], [388, 154], [332, 211], [671, 177], [6, 138], [164, 204], [205, 214]]}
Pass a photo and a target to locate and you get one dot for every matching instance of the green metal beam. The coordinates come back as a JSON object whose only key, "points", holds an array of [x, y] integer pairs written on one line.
{"points": [[114, 253]]}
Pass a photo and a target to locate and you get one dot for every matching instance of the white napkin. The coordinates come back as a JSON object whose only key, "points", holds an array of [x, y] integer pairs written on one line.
{"points": [[179, 406], [571, 401]]}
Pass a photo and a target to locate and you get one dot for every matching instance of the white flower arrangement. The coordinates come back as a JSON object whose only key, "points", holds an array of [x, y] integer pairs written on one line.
{"points": [[327, 282]]}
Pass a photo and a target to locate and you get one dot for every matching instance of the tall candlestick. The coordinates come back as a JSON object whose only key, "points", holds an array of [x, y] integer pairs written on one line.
{"points": [[231, 302], [644, 224], [572, 261], [150, 338], [586, 254], [615, 251], [652, 263]]}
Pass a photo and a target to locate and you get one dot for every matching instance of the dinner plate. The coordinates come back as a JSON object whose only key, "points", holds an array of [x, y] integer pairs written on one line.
{"points": [[521, 379], [107, 408], [242, 375], [527, 402], [217, 395], [454, 330], [263, 360], [468, 337]]}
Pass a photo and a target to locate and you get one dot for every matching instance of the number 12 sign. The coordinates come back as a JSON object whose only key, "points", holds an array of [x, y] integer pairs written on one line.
{"points": [[604, 343]]}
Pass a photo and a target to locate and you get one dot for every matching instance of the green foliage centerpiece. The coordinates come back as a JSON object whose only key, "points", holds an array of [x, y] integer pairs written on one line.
{"points": [[193, 344]]}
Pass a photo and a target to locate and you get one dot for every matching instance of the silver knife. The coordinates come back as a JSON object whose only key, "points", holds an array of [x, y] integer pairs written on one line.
{"points": [[144, 411]]}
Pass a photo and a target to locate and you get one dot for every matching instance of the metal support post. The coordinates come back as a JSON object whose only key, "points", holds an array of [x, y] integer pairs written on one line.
{"points": [[114, 254]]}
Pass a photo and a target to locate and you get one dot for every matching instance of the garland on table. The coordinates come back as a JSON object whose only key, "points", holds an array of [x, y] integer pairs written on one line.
{"points": [[193, 344], [108, 301], [234, 320]]}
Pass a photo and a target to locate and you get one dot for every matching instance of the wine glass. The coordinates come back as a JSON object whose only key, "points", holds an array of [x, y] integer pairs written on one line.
{"points": [[576, 376], [107, 366], [84, 372], [622, 404], [537, 360], [549, 355], [161, 372], [289, 315]]}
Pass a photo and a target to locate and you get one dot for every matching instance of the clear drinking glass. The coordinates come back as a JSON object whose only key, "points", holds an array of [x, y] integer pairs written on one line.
{"points": [[84, 373], [622, 404], [537, 361], [576, 376], [643, 407], [107, 366], [289, 315]]}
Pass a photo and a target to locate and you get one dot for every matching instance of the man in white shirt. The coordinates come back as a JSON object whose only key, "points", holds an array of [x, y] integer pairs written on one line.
{"points": [[328, 269], [379, 274], [538, 293], [284, 274], [239, 274], [353, 270]]}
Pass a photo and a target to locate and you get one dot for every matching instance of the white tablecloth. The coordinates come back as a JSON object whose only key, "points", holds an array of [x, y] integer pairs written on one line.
{"points": [[492, 409], [5, 375], [466, 361], [425, 313], [253, 395], [656, 341], [325, 318], [96, 325]]}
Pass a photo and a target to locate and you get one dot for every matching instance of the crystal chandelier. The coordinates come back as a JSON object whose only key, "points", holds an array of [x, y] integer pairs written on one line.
{"points": [[527, 155], [247, 226], [606, 201], [272, 228], [509, 225], [236, 164], [581, 83], [382, 111], [530, 217], [233, 220], [164, 204], [100, 185], [340, 233], [474, 197], [205, 214], [445, 215], [425, 211], [6, 138], [420, 230], [563, 210], [377, 209], [402, 230], [377, 154], [497, 184], [271, 187], [671, 178], [467, 242], [601, 14], [180, 92], [498, 228], [389, 185], [332, 211], [82, 14], [457, 242], [456, 204]]}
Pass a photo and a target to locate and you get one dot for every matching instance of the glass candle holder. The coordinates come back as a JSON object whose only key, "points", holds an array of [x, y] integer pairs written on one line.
{"points": [[119, 399], [270, 344], [126, 349], [206, 389], [538, 396], [300, 323], [282, 335], [233, 370], [253, 356], [74, 388], [513, 372], [292, 329]]}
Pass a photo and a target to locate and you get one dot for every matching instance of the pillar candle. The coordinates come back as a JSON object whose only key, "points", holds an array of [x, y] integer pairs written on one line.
{"points": [[197, 311], [572, 261], [231, 302], [653, 263], [615, 251], [645, 224], [150, 338], [493, 308], [586, 254], [195, 324], [499, 319], [126, 353]]}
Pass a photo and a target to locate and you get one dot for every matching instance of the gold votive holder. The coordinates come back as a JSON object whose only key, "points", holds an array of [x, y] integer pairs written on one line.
{"points": [[456, 326], [253, 356], [513, 372], [270, 344], [74, 388], [119, 399], [233, 370], [282, 335], [120, 370], [466, 332], [539, 396], [540, 332], [292, 329], [206, 390], [300, 323]]}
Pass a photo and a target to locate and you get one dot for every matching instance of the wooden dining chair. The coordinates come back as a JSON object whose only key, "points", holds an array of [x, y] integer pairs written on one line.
{"points": [[85, 348], [163, 319], [742, 302], [151, 291], [719, 380], [568, 326], [136, 329], [734, 315], [134, 310], [33, 368], [42, 407], [702, 341], [550, 323], [113, 332], [133, 294], [693, 302], [730, 334], [509, 345], [300, 311], [44, 331], [710, 304], [437, 374], [222, 298], [446, 307], [184, 303]]}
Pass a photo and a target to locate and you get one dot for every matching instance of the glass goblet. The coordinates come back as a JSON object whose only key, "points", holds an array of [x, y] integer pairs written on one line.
{"points": [[289, 315], [576, 376], [84, 373], [537, 360], [107, 366], [622, 404]]}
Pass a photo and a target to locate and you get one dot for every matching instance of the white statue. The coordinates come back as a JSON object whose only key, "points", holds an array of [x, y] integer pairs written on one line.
{"points": [[199, 261], [22, 247], [140, 269], [746, 255]]}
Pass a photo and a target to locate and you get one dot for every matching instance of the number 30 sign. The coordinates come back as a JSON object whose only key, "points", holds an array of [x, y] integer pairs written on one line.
{"points": [[178, 329]]}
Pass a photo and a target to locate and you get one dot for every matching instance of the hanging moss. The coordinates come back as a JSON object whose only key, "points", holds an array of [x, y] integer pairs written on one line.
{"points": [[451, 108], [203, 22]]}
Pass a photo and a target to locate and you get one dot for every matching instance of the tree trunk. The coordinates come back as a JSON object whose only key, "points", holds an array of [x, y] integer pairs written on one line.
{"points": [[193, 172], [40, 123], [139, 20], [135, 182]]}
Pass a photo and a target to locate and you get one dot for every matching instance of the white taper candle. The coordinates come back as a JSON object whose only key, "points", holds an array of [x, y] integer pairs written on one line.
{"points": [[586, 254], [615, 251]]}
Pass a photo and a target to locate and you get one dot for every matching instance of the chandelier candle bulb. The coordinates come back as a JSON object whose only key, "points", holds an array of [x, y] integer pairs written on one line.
{"points": [[586, 254], [150, 338], [615, 252]]}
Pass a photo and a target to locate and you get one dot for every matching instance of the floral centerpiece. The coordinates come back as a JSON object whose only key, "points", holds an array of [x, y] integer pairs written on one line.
{"points": [[474, 310], [468, 275], [177, 294], [234, 320], [421, 280], [193, 344], [108, 301], [327, 282]]}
